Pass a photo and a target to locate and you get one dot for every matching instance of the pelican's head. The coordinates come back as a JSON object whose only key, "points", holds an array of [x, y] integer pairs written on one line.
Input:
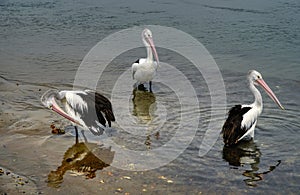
{"points": [[146, 33], [48, 97], [48, 100], [255, 78], [253, 75], [148, 42]]}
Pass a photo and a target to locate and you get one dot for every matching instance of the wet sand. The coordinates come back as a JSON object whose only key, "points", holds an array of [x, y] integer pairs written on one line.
{"points": [[29, 158], [30, 152]]}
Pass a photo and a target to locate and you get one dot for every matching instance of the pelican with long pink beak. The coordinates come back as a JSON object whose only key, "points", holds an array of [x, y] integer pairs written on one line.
{"points": [[242, 119], [144, 69], [86, 108]]}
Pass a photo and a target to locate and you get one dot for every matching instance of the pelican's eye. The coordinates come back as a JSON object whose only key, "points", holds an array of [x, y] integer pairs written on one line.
{"points": [[258, 77]]}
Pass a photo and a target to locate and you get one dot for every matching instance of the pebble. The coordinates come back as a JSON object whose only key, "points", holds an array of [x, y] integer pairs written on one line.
{"points": [[162, 177], [169, 181], [119, 190], [127, 177], [101, 181]]}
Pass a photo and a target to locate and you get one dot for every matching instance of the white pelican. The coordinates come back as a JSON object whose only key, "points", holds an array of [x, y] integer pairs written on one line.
{"points": [[144, 69], [243, 118], [85, 108]]}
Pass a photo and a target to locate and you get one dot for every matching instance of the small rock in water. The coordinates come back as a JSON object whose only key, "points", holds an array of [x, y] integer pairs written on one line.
{"points": [[119, 190], [127, 177], [169, 181], [162, 177]]}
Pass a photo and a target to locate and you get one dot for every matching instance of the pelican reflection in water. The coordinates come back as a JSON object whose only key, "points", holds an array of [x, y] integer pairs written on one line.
{"points": [[83, 159], [247, 153], [144, 107]]}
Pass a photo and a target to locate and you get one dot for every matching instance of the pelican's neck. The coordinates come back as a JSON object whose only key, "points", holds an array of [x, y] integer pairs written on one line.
{"points": [[149, 54], [149, 51], [258, 99]]}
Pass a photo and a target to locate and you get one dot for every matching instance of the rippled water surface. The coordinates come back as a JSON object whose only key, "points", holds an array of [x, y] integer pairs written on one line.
{"points": [[42, 45]]}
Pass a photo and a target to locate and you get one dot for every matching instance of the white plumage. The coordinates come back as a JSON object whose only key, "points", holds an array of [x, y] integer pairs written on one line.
{"points": [[242, 119], [85, 108], [144, 69]]}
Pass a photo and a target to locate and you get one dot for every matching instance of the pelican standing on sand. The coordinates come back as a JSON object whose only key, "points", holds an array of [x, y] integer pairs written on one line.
{"points": [[243, 118], [144, 69], [85, 108]]}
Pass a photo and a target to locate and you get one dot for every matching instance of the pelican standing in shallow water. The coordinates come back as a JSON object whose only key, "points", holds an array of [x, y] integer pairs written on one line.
{"points": [[243, 118], [85, 108], [144, 69]]}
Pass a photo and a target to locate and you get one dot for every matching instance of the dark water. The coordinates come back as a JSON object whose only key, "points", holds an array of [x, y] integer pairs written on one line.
{"points": [[43, 43]]}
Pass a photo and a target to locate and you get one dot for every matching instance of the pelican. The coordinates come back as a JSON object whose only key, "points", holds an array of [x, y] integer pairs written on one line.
{"points": [[84, 108], [144, 69], [242, 119]]}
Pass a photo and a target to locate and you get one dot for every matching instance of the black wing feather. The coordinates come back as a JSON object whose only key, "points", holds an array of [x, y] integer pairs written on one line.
{"points": [[97, 104], [103, 105], [232, 130]]}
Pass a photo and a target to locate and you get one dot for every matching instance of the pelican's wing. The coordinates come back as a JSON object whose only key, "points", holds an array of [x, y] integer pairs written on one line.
{"points": [[134, 67], [102, 106], [84, 107], [232, 129], [76, 100]]}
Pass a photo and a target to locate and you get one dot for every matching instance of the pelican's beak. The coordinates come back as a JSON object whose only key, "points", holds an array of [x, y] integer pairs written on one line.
{"points": [[151, 43], [264, 85], [60, 111]]}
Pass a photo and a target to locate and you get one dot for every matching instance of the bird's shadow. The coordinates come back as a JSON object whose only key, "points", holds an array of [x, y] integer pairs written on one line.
{"points": [[82, 159], [247, 153]]}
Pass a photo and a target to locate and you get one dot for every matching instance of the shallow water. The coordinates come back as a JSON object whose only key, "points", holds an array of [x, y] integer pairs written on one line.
{"points": [[43, 44]]}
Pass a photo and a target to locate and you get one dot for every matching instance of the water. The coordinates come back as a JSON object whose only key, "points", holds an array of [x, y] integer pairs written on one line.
{"points": [[43, 43]]}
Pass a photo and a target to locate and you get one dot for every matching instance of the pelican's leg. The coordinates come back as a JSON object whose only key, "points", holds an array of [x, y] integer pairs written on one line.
{"points": [[150, 86], [76, 133], [85, 140]]}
